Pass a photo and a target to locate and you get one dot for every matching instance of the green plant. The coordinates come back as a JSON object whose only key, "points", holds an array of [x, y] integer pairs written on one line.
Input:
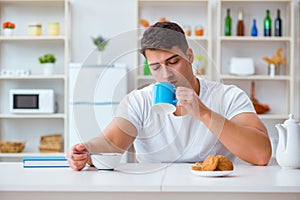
{"points": [[47, 58], [100, 42]]}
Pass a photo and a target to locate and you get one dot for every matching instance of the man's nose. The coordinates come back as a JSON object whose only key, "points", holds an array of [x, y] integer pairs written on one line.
{"points": [[167, 72]]}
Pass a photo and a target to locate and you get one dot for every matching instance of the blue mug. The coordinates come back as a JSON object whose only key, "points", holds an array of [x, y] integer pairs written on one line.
{"points": [[164, 99]]}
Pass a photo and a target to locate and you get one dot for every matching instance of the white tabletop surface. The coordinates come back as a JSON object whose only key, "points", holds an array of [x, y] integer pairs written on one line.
{"points": [[244, 178], [133, 180], [128, 177]]}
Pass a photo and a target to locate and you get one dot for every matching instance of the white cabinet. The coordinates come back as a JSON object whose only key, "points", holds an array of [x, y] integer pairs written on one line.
{"points": [[277, 91], [190, 14], [21, 51]]}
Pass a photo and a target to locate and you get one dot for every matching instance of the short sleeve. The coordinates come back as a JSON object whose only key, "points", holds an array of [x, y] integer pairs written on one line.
{"points": [[236, 102], [135, 107]]}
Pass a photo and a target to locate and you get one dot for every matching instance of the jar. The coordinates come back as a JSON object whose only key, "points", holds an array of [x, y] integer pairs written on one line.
{"points": [[187, 30], [199, 31], [35, 29], [53, 28]]}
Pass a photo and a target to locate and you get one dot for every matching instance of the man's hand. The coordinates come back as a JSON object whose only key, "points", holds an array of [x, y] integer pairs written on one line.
{"points": [[188, 99], [76, 160]]}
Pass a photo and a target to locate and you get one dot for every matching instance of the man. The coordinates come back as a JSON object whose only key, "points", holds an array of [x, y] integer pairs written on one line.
{"points": [[210, 118]]}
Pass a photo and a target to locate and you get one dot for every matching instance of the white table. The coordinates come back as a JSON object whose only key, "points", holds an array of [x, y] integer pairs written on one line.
{"points": [[152, 181]]}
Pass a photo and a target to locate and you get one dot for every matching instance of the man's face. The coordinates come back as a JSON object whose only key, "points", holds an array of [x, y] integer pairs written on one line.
{"points": [[171, 66]]}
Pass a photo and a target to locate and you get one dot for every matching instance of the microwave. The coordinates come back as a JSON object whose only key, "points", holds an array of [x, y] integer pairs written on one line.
{"points": [[32, 101]]}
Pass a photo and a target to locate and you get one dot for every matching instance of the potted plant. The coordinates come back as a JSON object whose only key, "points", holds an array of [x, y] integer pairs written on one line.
{"points": [[100, 43], [8, 28], [48, 61]]}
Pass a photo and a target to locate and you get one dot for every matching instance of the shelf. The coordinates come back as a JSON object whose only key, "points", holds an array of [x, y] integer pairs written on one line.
{"points": [[255, 39], [34, 77], [33, 116], [198, 38], [247, 1], [32, 38], [256, 77], [278, 91], [25, 154], [32, 1], [273, 116], [171, 1]]}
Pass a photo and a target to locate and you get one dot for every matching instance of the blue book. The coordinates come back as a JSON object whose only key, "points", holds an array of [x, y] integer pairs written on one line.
{"points": [[45, 162]]}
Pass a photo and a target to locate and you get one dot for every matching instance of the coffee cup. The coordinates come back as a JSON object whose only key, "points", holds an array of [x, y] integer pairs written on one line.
{"points": [[164, 99]]}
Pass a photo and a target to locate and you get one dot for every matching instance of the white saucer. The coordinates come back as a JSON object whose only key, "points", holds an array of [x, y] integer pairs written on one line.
{"points": [[211, 173]]}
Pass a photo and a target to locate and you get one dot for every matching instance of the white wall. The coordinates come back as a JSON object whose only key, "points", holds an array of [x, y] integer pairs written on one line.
{"points": [[116, 20]]}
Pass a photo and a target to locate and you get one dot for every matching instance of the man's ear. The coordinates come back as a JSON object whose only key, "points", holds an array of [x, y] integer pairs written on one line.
{"points": [[190, 55]]}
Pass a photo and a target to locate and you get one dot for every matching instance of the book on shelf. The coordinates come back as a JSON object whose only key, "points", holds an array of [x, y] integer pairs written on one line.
{"points": [[45, 162]]}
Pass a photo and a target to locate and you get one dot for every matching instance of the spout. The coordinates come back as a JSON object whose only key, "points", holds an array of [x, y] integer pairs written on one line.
{"points": [[282, 138]]}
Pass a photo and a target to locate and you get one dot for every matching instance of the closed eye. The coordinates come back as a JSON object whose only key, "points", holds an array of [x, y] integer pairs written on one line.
{"points": [[155, 67], [173, 61]]}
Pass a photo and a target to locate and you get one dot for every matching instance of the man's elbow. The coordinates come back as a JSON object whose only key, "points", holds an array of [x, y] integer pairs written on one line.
{"points": [[263, 159]]}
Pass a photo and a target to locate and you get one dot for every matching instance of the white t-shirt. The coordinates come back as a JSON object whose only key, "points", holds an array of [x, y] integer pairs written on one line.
{"points": [[170, 138]]}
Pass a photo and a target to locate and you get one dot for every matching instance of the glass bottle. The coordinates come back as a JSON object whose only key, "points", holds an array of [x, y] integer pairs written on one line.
{"points": [[254, 31], [240, 25], [228, 23], [278, 24], [267, 24], [146, 68]]}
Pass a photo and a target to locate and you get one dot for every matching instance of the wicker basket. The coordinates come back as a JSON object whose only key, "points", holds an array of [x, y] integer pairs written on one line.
{"points": [[11, 147], [51, 143]]}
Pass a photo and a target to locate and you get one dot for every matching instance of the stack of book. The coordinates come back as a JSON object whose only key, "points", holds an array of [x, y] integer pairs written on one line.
{"points": [[45, 162]]}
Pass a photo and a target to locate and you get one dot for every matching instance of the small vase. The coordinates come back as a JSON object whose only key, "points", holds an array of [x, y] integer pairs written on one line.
{"points": [[99, 58], [8, 32], [273, 70], [48, 68]]}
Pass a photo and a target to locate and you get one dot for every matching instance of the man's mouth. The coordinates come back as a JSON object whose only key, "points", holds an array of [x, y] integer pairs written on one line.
{"points": [[173, 82]]}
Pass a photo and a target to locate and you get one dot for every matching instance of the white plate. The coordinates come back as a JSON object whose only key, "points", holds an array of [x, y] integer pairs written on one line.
{"points": [[211, 173]]}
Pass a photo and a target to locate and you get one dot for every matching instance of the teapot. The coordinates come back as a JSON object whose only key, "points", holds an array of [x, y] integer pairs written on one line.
{"points": [[288, 149]]}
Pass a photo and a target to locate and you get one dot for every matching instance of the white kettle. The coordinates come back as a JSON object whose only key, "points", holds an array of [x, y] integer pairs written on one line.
{"points": [[288, 149]]}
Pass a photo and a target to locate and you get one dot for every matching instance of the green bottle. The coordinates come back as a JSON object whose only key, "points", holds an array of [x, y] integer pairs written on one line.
{"points": [[267, 24], [228, 23], [146, 68]]}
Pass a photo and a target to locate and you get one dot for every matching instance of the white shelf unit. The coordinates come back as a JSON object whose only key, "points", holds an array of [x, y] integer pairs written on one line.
{"points": [[297, 56], [190, 12], [21, 51], [277, 91]]}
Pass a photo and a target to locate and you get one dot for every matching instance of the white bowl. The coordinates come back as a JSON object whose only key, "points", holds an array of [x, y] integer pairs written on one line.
{"points": [[106, 161]]}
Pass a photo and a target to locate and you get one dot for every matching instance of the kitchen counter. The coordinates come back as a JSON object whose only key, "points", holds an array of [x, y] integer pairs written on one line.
{"points": [[148, 181]]}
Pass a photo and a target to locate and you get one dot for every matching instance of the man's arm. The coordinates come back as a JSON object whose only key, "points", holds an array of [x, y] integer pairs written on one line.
{"points": [[117, 137], [244, 135]]}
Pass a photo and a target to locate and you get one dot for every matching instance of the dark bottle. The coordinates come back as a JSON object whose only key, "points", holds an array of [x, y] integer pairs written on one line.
{"points": [[254, 31], [228, 23], [267, 24], [240, 25], [278, 24]]}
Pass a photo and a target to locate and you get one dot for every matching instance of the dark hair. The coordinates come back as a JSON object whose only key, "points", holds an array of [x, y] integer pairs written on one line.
{"points": [[163, 35]]}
